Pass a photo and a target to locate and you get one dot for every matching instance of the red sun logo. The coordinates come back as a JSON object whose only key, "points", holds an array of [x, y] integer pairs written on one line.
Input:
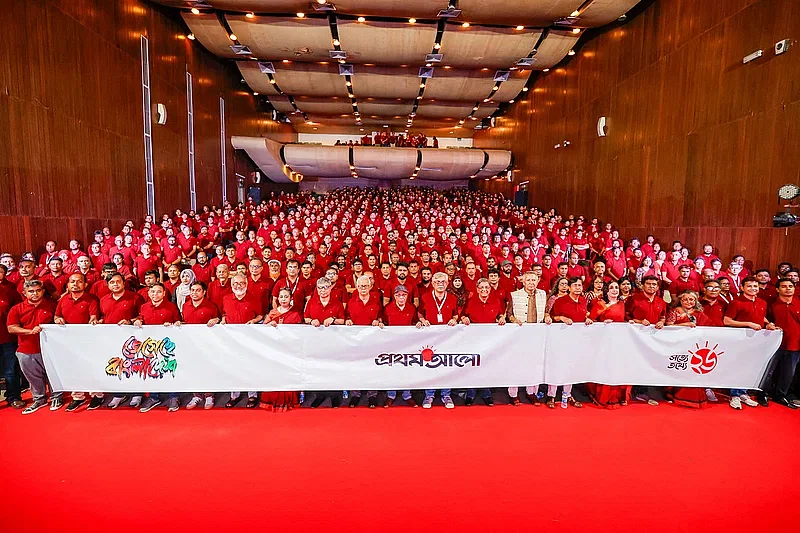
{"points": [[427, 353], [704, 359]]}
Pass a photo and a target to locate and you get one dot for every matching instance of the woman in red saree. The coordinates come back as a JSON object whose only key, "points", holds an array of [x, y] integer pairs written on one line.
{"points": [[609, 308], [283, 314], [687, 312]]}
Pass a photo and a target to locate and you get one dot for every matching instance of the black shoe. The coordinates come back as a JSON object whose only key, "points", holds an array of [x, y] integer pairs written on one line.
{"points": [[469, 401], [336, 401], [74, 404], [372, 401], [252, 403], [317, 401], [95, 403], [783, 400], [354, 401], [489, 401], [762, 400], [232, 402]]}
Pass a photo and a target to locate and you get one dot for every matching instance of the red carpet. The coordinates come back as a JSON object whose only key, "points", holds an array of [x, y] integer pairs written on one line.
{"points": [[494, 469]]}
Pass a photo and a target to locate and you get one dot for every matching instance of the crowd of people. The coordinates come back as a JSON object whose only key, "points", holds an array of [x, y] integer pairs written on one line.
{"points": [[389, 138], [384, 258]]}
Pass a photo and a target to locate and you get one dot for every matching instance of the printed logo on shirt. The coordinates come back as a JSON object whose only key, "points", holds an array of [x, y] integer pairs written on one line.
{"points": [[427, 357], [151, 358], [702, 360]]}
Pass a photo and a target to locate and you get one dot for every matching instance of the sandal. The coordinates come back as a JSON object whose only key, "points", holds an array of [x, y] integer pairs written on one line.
{"points": [[575, 403], [251, 403], [232, 402], [551, 402]]}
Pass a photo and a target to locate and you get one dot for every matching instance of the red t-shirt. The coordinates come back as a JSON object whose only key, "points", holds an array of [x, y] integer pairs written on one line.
{"points": [[155, 316], [714, 311], [743, 310], [787, 317], [679, 286], [203, 273], [200, 314], [9, 297], [78, 310], [640, 307], [29, 316], [261, 290], [125, 308], [238, 311], [299, 291], [362, 314], [484, 312], [315, 310], [567, 307], [55, 285], [430, 304], [217, 292], [143, 264], [394, 316]]}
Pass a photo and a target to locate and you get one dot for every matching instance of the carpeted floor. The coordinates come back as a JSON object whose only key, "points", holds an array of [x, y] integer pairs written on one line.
{"points": [[504, 468]]}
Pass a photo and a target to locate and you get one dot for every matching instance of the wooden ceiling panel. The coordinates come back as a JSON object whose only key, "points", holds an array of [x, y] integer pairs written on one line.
{"points": [[279, 38], [318, 161], [386, 43], [383, 163], [554, 48], [449, 164], [471, 89], [210, 33], [514, 12], [494, 48], [376, 82], [498, 162], [602, 12], [368, 108]]}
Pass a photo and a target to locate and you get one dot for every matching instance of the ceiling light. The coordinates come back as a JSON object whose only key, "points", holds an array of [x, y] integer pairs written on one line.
{"points": [[485, 99], [428, 64], [232, 36], [336, 42], [348, 83], [511, 101], [272, 81], [419, 97], [195, 11], [520, 28], [485, 68], [460, 121], [571, 53], [362, 129], [546, 70], [322, 1], [448, 67], [255, 93], [576, 30], [524, 89], [250, 15], [575, 13], [421, 85], [412, 20], [465, 25], [361, 19], [301, 15], [190, 36], [474, 118], [475, 108], [286, 61], [437, 46], [495, 88]]}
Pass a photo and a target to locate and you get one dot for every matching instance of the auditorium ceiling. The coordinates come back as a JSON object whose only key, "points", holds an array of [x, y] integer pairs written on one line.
{"points": [[354, 66]]}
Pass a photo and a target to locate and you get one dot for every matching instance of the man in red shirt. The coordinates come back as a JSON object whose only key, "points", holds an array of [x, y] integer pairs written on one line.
{"points": [[364, 309], [785, 313], [24, 321], [747, 311], [55, 279], [9, 297], [713, 306], [322, 310], [301, 292], [683, 283], [486, 307], [79, 307], [146, 262], [648, 309], [568, 309], [200, 310], [438, 307], [400, 312], [241, 308]]}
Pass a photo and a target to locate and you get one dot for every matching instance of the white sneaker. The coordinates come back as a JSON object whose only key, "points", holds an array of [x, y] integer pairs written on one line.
{"points": [[194, 402], [136, 401], [748, 400], [115, 401], [711, 396], [448, 402], [209, 403], [428, 402], [736, 403]]}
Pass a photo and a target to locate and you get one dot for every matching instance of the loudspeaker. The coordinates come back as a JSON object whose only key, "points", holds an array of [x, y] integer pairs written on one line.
{"points": [[521, 198]]}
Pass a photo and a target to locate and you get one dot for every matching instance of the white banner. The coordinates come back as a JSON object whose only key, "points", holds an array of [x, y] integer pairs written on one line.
{"points": [[295, 357]]}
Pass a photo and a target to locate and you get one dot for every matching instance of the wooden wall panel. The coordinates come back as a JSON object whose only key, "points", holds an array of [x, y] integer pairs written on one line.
{"points": [[697, 144], [71, 148]]}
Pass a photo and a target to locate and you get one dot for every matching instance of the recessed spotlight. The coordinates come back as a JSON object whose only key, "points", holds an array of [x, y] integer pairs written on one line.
{"points": [[511, 101], [428, 64], [524, 89], [575, 13], [495, 88], [250, 15], [286, 61], [195, 11], [448, 67], [190, 36], [475, 108], [419, 97], [571, 53], [301, 15], [576, 30], [361, 19], [412, 20], [520, 28], [272, 81], [485, 69], [336, 42], [322, 1], [546, 70], [421, 85], [232, 36], [347, 83], [437, 46], [255, 93], [362, 129], [465, 25]]}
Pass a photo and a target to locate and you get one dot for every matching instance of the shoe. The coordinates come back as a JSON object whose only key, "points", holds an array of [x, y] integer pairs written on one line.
{"points": [[173, 405], [372, 401], [252, 403], [762, 399], [468, 401], [411, 403], [710, 396], [515, 402], [336, 401], [56, 404], [17, 404], [534, 399], [136, 401], [427, 402], [194, 402], [232, 402], [642, 398], [448, 402], [489, 401], [564, 401], [149, 403], [652, 402], [388, 403], [354, 401], [317, 401], [116, 401], [35, 406], [575, 403], [747, 400], [736, 403], [796, 402], [94, 403], [551, 402], [209, 403], [783, 400], [74, 404]]}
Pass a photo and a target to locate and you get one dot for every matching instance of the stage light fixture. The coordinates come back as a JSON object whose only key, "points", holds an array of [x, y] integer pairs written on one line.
{"points": [[571, 53], [575, 13], [437, 46], [784, 220], [195, 11], [789, 192], [336, 42], [190, 36]]}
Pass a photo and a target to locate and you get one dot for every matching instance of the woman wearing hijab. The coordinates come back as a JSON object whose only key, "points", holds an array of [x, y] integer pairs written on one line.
{"points": [[181, 292], [457, 289]]}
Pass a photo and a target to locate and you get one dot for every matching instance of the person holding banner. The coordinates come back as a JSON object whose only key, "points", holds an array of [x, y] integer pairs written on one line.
{"points": [[686, 311], [283, 314], [323, 311], [438, 307], [785, 313], [365, 309], [200, 310], [526, 306], [609, 309], [483, 308], [9, 297], [400, 312], [568, 309], [648, 309], [241, 308], [747, 311]]}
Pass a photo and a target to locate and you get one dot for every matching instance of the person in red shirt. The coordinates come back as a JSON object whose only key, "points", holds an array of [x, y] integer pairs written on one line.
{"points": [[283, 314], [683, 283], [648, 309], [301, 292], [486, 307], [79, 307], [239, 307], [747, 311], [322, 311], [55, 279], [438, 307], [9, 297], [202, 268], [568, 309], [199, 309], [766, 291], [221, 286], [146, 262], [785, 313], [713, 306], [25, 321], [470, 279], [364, 309], [400, 312]]}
